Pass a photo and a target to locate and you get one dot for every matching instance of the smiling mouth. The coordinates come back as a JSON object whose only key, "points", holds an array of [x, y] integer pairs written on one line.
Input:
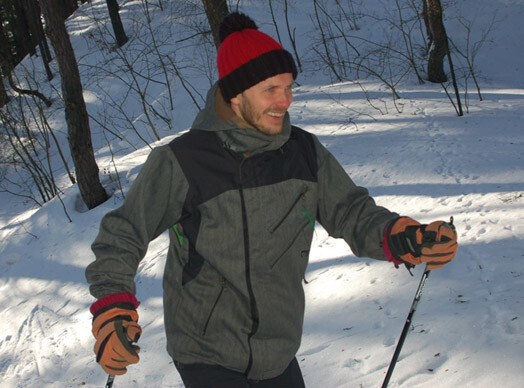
{"points": [[275, 114]]}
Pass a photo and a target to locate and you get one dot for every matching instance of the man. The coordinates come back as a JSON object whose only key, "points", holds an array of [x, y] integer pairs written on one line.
{"points": [[239, 193]]}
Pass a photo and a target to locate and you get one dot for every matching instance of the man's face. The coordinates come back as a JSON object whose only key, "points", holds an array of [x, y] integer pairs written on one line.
{"points": [[264, 105]]}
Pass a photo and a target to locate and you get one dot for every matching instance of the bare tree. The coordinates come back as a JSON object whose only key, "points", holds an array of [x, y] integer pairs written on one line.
{"points": [[17, 20], [4, 97], [7, 63], [33, 14], [438, 39], [4, 68], [118, 28], [68, 7], [216, 10], [439, 49], [77, 119]]}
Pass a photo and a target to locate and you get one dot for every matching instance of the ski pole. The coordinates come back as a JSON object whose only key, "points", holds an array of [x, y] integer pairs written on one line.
{"points": [[405, 330], [412, 310], [110, 380]]}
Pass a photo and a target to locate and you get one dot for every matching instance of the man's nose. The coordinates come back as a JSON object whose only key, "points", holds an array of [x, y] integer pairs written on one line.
{"points": [[285, 99]]}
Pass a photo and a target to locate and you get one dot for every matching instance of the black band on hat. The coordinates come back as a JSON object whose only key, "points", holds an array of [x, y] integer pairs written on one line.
{"points": [[256, 70]]}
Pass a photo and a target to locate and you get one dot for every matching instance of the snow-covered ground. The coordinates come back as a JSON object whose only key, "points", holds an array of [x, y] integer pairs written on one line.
{"points": [[425, 162]]}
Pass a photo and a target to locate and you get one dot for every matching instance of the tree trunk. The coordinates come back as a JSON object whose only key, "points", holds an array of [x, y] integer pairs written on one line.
{"points": [[216, 10], [79, 134], [120, 35], [424, 16], [439, 40], [35, 23], [68, 7], [4, 97], [25, 40], [5, 58], [46, 53]]}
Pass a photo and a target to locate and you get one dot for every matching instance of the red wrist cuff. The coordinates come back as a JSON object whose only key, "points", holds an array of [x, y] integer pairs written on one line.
{"points": [[121, 297], [387, 252]]}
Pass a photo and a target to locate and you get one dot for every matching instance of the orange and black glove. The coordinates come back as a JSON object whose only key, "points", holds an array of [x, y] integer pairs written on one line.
{"points": [[412, 243], [116, 328]]}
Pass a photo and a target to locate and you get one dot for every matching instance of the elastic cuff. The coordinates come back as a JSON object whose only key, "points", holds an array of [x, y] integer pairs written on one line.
{"points": [[385, 247], [121, 297]]}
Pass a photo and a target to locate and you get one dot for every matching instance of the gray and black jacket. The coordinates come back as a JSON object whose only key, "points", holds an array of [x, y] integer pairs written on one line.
{"points": [[240, 208]]}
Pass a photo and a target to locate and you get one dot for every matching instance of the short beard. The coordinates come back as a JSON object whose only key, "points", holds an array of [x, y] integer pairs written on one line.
{"points": [[251, 117]]}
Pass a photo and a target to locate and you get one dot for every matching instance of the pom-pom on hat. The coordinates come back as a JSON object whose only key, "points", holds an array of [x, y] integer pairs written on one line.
{"points": [[247, 56]]}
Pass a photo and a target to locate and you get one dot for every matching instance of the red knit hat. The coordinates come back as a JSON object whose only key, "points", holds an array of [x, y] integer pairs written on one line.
{"points": [[247, 56]]}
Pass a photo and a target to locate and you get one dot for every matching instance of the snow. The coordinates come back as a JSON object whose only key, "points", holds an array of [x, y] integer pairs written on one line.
{"points": [[424, 161]]}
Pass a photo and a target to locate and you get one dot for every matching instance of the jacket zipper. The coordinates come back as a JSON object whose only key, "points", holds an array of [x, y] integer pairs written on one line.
{"points": [[300, 195], [253, 303]]}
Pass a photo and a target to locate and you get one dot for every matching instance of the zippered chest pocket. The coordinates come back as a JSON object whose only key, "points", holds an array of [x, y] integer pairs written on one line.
{"points": [[291, 227], [295, 213]]}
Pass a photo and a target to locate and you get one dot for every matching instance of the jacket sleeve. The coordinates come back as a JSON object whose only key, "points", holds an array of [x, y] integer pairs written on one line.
{"points": [[347, 211], [153, 204]]}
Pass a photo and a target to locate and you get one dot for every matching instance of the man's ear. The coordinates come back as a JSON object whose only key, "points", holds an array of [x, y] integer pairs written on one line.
{"points": [[235, 103], [236, 100]]}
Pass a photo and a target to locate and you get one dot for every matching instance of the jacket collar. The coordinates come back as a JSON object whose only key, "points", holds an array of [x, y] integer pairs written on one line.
{"points": [[233, 131]]}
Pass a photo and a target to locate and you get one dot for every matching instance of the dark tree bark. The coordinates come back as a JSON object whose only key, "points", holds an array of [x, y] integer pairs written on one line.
{"points": [[46, 53], [68, 7], [4, 97], [5, 58], [33, 13], [438, 39], [216, 10], [21, 30], [79, 133], [118, 28]]}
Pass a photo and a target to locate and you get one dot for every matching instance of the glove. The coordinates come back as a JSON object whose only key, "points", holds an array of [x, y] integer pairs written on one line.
{"points": [[412, 243], [115, 330]]}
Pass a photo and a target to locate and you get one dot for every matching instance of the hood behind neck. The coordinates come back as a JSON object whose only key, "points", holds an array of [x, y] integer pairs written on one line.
{"points": [[233, 131]]}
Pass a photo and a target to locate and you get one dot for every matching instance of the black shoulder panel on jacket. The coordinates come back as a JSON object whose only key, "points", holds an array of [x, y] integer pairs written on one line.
{"points": [[208, 166], [212, 169]]}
